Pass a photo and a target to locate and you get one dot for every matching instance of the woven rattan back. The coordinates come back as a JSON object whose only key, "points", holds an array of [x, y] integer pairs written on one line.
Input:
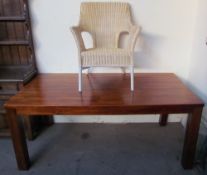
{"points": [[105, 21]]}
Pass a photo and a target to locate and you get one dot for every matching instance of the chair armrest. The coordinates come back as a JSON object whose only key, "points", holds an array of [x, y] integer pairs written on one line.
{"points": [[134, 35], [76, 31]]}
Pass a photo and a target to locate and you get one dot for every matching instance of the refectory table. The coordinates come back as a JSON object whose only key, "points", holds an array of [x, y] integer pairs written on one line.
{"points": [[50, 94]]}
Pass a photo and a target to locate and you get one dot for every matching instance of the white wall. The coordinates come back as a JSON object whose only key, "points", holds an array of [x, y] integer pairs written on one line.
{"points": [[198, 68], [165, 44]]}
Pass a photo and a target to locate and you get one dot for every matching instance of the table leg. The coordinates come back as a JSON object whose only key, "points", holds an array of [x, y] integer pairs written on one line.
{"points": [[28, 128], [191, 136], [18, 139], [163, 119]]}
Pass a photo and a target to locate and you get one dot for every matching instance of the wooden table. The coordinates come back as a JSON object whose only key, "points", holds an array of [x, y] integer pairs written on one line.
{"points": [[109, 94]]}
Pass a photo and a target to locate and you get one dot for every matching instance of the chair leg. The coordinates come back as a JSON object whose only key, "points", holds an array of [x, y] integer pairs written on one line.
{"points": [[80, 80], [132, 78]]}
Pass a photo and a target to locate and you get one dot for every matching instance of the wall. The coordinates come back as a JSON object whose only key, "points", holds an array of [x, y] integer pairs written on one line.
{"points": [[165, 44], [198, 68]]}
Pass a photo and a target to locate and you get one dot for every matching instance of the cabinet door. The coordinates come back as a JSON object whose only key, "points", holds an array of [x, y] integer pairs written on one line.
{"points": [[6, 91], [3, 123]]}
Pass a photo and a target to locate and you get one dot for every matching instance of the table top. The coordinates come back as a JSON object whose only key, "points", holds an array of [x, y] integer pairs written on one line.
{"points": [[104, 94]]}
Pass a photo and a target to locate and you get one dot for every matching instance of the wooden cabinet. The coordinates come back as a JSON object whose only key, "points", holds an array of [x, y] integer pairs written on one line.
{"points": [[3, 122], [17, 59], [7, 89]]}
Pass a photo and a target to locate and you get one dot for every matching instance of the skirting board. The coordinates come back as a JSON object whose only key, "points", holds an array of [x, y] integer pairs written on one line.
{"points": [[117, 118]]}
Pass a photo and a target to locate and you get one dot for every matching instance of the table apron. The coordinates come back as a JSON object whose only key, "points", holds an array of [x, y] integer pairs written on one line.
{"points": [[101, 110]]}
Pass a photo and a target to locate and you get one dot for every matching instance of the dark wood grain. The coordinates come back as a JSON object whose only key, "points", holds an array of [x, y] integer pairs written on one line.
{"points": [[50, 94], [191, 137], [19, 141], [104, 94]]}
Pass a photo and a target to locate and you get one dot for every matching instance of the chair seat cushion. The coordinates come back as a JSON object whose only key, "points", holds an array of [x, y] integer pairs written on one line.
{"points": [[106, 57]]}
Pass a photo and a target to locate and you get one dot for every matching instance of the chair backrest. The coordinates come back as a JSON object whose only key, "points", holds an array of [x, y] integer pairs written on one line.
{"points": [[105, 21]]}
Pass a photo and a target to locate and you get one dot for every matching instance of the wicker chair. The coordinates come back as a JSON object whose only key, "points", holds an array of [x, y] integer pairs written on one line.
{"points": [[105, 21]]}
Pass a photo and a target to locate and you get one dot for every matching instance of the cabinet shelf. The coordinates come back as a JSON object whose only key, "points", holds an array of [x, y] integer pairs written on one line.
{"points": [[14, 43], [12, 19], [21, 73]]}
